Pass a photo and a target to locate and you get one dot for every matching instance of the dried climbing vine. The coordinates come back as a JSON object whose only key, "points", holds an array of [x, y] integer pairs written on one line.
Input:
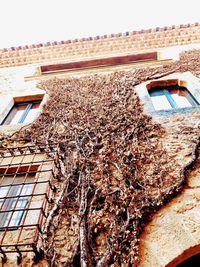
{"points": [[111, 161]]}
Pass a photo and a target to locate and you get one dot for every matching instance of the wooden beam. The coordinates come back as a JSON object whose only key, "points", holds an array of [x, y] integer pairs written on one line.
{"points": [[99, 62], [28, 98], [162, 83]]}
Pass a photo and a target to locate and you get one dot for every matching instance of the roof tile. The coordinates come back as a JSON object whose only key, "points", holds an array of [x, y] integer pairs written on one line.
{"points": [[102, 45]]}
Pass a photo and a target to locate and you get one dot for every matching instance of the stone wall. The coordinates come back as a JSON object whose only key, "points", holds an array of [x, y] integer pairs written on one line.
{"points": [[172, 230], [173, 233]]}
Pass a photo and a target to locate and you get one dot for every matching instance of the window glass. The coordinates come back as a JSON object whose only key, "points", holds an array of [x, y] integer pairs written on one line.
{"points": [[14, 193], [32, 114], [180, 97], [18, 203], [3, 193], [16, 114], [160, 102]]}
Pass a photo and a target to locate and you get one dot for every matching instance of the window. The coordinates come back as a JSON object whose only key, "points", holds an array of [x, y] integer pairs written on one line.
{"points": [[171, 97], [193, 261], [22, 112], [15, 189], [26, 191]]}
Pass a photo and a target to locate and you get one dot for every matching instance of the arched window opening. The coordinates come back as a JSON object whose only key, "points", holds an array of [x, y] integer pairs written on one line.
{"points": [[193, 261], [166, 95]]}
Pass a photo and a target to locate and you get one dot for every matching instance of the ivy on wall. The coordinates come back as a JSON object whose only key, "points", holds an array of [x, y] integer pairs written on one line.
{"points": [[113, 168]]}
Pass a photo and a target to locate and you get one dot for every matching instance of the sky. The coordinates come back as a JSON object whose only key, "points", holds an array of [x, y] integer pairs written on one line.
{"points": [[39, 21]]}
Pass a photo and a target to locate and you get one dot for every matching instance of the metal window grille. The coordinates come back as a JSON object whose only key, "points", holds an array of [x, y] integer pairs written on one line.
{"points": [[26, 188]]}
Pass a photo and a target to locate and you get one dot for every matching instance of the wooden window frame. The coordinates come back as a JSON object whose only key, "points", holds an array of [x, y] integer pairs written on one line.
{"points": [[27, 101]]}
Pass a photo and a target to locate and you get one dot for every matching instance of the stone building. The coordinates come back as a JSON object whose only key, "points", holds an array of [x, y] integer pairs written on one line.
{"points": [[99, 151]]}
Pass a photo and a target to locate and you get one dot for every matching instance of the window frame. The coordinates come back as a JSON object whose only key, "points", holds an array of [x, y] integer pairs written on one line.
{"points": [[185, 79], [29, 105], [165, 91]]}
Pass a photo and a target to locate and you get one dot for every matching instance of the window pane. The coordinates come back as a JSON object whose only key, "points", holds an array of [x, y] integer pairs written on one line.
{"points": [[32, 114], [3, 191], [16, 218], [181, 100], [17, 117], [17, 215], [160, 102], [15, 114], [26, 189], [14, 189]]}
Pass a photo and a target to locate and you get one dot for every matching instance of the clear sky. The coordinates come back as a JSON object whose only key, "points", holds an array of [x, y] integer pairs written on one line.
{"points": [[38, 21]]}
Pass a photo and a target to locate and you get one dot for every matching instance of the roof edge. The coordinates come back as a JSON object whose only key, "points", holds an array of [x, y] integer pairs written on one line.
{"points": [[142, 31]]}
